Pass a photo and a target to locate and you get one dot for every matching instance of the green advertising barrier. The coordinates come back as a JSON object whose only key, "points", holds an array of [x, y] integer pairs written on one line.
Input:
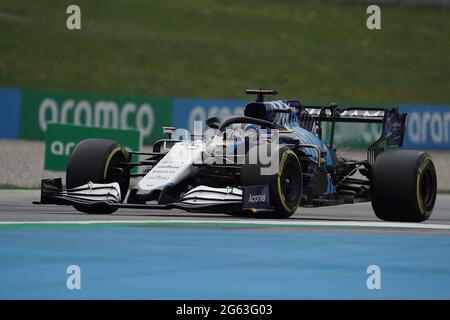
{"points": [[145, 114], [357, 136], [353, 135], [61, 139]]}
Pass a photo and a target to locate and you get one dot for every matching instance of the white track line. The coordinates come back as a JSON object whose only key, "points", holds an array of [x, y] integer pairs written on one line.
{"points": [[357, 224]]}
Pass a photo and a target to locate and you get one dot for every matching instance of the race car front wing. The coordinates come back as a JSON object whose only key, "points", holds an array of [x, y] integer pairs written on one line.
{"points": [[103, 196]]}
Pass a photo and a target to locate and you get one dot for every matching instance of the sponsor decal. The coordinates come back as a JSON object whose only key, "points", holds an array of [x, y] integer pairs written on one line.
{"points": [[350, 113], [255, 197]]}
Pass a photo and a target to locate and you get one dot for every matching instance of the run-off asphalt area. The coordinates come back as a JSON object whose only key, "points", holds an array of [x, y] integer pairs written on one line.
{"points": [[175, 255]]}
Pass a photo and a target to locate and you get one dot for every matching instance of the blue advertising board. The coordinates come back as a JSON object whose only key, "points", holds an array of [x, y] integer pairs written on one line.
{"points": [[186, 111], [9, 113], [427, 127]]}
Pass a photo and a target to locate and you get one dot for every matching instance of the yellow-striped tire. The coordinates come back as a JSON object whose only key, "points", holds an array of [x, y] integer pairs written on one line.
{"points": [[404, 185], [284, 181], [287, 184], [95, 160]]}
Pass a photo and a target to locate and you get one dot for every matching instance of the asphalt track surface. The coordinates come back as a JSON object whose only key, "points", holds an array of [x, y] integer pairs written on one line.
{"points": [[319, 253], [16, 205]]}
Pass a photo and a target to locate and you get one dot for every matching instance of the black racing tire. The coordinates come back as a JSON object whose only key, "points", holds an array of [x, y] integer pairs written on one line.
{"points": [[91, 161], [404, 186], [286, 185]]}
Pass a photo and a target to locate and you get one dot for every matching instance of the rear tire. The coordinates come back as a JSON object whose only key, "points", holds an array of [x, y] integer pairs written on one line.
{"points": [[93, 160], [404, 186]]}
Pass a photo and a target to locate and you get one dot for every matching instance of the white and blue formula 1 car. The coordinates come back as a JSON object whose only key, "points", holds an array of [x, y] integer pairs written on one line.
{"points": [[226, 172]]}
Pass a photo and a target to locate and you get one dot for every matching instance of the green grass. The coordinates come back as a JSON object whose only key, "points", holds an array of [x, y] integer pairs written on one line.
{"points": [[207, 48]]}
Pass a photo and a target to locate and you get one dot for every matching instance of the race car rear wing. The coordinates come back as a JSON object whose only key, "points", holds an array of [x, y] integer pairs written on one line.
{"points": [[393, 123], [351, 114], [330, 113]]}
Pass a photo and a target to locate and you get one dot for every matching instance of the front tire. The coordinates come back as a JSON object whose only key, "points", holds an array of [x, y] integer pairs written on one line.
{"points": [[404, 186], [96, 160], [285, 185]]}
